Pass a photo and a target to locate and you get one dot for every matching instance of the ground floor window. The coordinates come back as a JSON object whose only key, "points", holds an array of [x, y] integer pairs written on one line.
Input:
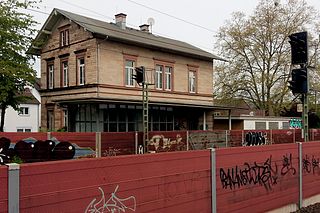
{"points": [[118, 118]]}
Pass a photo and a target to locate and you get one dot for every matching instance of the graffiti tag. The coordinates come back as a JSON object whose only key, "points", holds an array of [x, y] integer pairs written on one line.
{"points": [[309, 165], [287, 165], [2, 156], [255, 138], [159, 143], [263, 174], [113, 204]]}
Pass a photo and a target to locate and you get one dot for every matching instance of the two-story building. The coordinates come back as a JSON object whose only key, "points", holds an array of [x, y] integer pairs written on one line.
{"points": [[87, 69]]}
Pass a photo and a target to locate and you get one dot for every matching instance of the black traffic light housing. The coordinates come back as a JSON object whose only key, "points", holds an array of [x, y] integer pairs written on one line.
{"points": [[139, 76], [299, 81], [299, 47]]}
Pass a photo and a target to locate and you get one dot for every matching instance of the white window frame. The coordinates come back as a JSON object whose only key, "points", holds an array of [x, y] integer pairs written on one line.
{"points": [[65, 118], [159, 77], [64, 37], [65, 70], [50, 76], [24, 111], [24, 129], [81, 71], [129, 72], [192, 81], [168, 78]]}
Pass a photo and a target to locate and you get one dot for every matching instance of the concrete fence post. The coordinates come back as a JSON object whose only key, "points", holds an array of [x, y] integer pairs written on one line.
{"points": [[136, 142], [98, 144], [227, 137], [13, 187], [187, 140], [213, 181], [300, 175]]}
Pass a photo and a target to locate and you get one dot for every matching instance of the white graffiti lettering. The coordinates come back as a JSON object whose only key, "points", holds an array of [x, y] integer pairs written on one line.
{"points": [[2, 156], [113, 204]]}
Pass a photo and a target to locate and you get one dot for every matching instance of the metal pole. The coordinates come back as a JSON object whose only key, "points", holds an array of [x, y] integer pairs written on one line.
{"points": [[213, 181], [13, 187], [300, 175], [305, 117]]}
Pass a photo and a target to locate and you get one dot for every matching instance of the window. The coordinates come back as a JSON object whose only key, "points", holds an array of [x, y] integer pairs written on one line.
{"points": [[260, 125], [50, 76], [129, 72], [273, 125], [24, 111], [64, 37], [65, 118], [81, 71], [168, 72], [50, 120], [158, 77], [192, 81], [163, 77], [23, 129], [65, 79]]}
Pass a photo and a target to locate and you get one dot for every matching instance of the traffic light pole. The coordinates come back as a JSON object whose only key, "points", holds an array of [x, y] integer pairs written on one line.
{"points": [[305, 117]]}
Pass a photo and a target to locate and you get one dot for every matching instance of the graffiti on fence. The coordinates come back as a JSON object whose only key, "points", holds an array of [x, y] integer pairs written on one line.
{"points": [[255, 139], [113, 204], [111, 152], [312, 164], [204, 140], [287, 165], [159, 143], [295, 123], [264, 174], [3, 157]]}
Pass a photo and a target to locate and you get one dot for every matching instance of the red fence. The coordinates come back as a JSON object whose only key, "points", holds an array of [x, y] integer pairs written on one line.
{"points": [[311, 168], [3, 189], [16, 136], [82, 139], [117, 143], [144, 183], [263, 176]]}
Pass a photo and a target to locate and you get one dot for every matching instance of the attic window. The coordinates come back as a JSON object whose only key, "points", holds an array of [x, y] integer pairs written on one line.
{"points": [[64, 37]]}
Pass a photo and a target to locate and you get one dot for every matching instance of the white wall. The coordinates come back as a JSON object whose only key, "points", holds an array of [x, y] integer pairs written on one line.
{"points": [[251, 124], [13, 120]]}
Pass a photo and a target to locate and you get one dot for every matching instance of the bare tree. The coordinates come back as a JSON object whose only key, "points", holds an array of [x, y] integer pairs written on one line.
{"points": [[258, 53]]}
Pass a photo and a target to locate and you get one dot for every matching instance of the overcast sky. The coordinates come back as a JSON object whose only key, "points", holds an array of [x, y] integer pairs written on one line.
{"points": [[192, 21]]}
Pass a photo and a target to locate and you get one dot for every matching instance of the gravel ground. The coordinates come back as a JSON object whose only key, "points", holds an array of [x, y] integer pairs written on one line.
{"points": [[315, 208]]}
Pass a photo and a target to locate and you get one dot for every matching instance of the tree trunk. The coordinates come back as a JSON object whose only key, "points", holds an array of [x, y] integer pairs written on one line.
{"points": [[3, 112]]}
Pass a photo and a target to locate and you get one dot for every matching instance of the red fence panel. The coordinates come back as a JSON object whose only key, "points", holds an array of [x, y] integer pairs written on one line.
{"points": [[117, 143], [311, 168], [261, 176], [283, 136], [16, 136], [143, 183], [3, 189], [167, 141], [235, 138], [82, 139], [199, 140]]}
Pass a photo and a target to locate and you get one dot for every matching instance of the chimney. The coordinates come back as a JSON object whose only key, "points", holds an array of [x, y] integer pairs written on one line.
{"points": [[121, 20], [144, 27]]}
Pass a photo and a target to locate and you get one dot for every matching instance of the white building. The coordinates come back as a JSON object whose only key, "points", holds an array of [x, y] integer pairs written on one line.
{"points": [[27, 119]]}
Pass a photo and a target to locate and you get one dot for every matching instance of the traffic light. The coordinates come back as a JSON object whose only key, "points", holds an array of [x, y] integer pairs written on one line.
{"points": [[139, 76], [299, 81], [299, 47]]}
